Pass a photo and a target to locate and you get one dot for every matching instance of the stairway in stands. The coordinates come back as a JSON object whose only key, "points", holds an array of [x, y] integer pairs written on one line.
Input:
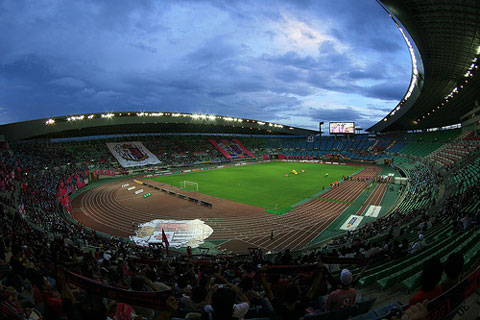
{"points": [[231, 149]]}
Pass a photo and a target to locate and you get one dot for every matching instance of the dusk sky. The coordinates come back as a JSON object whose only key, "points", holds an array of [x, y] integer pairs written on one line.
{"points": [[290, 62]]}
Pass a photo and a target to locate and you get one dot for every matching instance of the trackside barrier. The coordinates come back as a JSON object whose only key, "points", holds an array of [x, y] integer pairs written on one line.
{"points": [[207, 204], [178, 195], [151, 186]]}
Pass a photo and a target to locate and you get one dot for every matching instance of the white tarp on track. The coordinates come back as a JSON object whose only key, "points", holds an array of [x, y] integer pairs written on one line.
{"points": [[373, 211], [132, 154], [180, 233]]}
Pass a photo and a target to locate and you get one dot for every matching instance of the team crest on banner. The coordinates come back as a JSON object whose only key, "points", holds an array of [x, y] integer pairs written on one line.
{"points": [[180, 233], [131, 154]]}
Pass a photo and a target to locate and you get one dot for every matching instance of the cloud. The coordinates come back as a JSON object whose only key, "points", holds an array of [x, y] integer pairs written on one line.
{"points": [[336, 114], [386, 91], [384, 45], [68, 82], [142, 46], [242, 58], [293, 59], [213, 50], [374, 71], [28, 68]]}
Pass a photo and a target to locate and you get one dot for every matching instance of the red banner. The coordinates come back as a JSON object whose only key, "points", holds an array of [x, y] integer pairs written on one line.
{"points": [[73, 183]]}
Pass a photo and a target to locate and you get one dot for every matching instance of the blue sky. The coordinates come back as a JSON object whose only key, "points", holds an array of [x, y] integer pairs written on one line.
{"points": [[291, 62]]}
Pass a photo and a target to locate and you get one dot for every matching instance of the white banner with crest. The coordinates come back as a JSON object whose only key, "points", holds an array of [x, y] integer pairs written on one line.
{"points": [[132, 154]]}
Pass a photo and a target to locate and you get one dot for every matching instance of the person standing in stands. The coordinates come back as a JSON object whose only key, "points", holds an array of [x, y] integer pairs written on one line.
{"points": [[431, 276], [344, 296], [453, 269]]}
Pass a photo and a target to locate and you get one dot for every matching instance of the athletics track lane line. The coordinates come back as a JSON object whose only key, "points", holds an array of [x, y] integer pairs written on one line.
{"points": [[309, 232], [299, 228], [375, 198], [331, 221], [305, 220], [105, 202], [91, 214]]}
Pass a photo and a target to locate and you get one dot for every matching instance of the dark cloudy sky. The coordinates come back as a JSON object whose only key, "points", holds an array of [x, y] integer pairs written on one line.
{"points": [[291, 62]]}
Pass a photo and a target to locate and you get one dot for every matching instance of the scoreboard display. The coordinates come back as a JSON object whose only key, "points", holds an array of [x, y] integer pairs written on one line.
{"points": [[341, 128]]}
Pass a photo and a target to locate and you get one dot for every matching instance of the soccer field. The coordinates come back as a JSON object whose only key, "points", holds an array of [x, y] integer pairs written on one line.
{"points": [[264, 185]]}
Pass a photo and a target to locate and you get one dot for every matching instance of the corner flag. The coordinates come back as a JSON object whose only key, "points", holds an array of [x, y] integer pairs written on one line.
{"points": [[165, 240]]}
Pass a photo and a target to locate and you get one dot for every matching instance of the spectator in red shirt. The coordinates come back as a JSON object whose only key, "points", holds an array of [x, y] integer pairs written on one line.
{"points": [[54, 302], [344, 296]]}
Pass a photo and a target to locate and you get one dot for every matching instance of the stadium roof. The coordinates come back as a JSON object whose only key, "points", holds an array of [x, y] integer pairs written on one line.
{"points": [[444, 41], [133, 122]]}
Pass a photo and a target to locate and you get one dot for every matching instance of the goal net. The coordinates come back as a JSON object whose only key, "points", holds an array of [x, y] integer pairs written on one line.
{"points": [[189, 186]]}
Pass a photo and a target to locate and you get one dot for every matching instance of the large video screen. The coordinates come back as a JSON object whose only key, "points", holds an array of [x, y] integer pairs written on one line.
{"points": [[341, 127]]}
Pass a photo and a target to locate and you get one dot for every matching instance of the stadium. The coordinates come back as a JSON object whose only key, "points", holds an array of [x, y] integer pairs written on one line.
{"points": [[159, 214]]}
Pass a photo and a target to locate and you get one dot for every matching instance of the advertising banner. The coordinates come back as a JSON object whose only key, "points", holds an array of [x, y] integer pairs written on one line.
{"points": [[352, 222]]}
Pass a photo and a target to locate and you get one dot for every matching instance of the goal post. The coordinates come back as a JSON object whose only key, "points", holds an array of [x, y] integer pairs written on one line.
{"points": [[189, 186]]}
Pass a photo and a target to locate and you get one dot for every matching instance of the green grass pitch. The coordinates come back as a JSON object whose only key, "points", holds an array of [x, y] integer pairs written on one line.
{"points": [[264, 185]]}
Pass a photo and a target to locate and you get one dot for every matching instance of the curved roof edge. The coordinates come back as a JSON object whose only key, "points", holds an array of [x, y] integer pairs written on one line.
{"points": [[416, 79], [140, 122], [444, 42]]}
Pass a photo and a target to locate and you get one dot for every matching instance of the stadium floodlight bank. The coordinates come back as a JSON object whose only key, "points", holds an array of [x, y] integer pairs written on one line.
{"points": [[189, 186]]}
